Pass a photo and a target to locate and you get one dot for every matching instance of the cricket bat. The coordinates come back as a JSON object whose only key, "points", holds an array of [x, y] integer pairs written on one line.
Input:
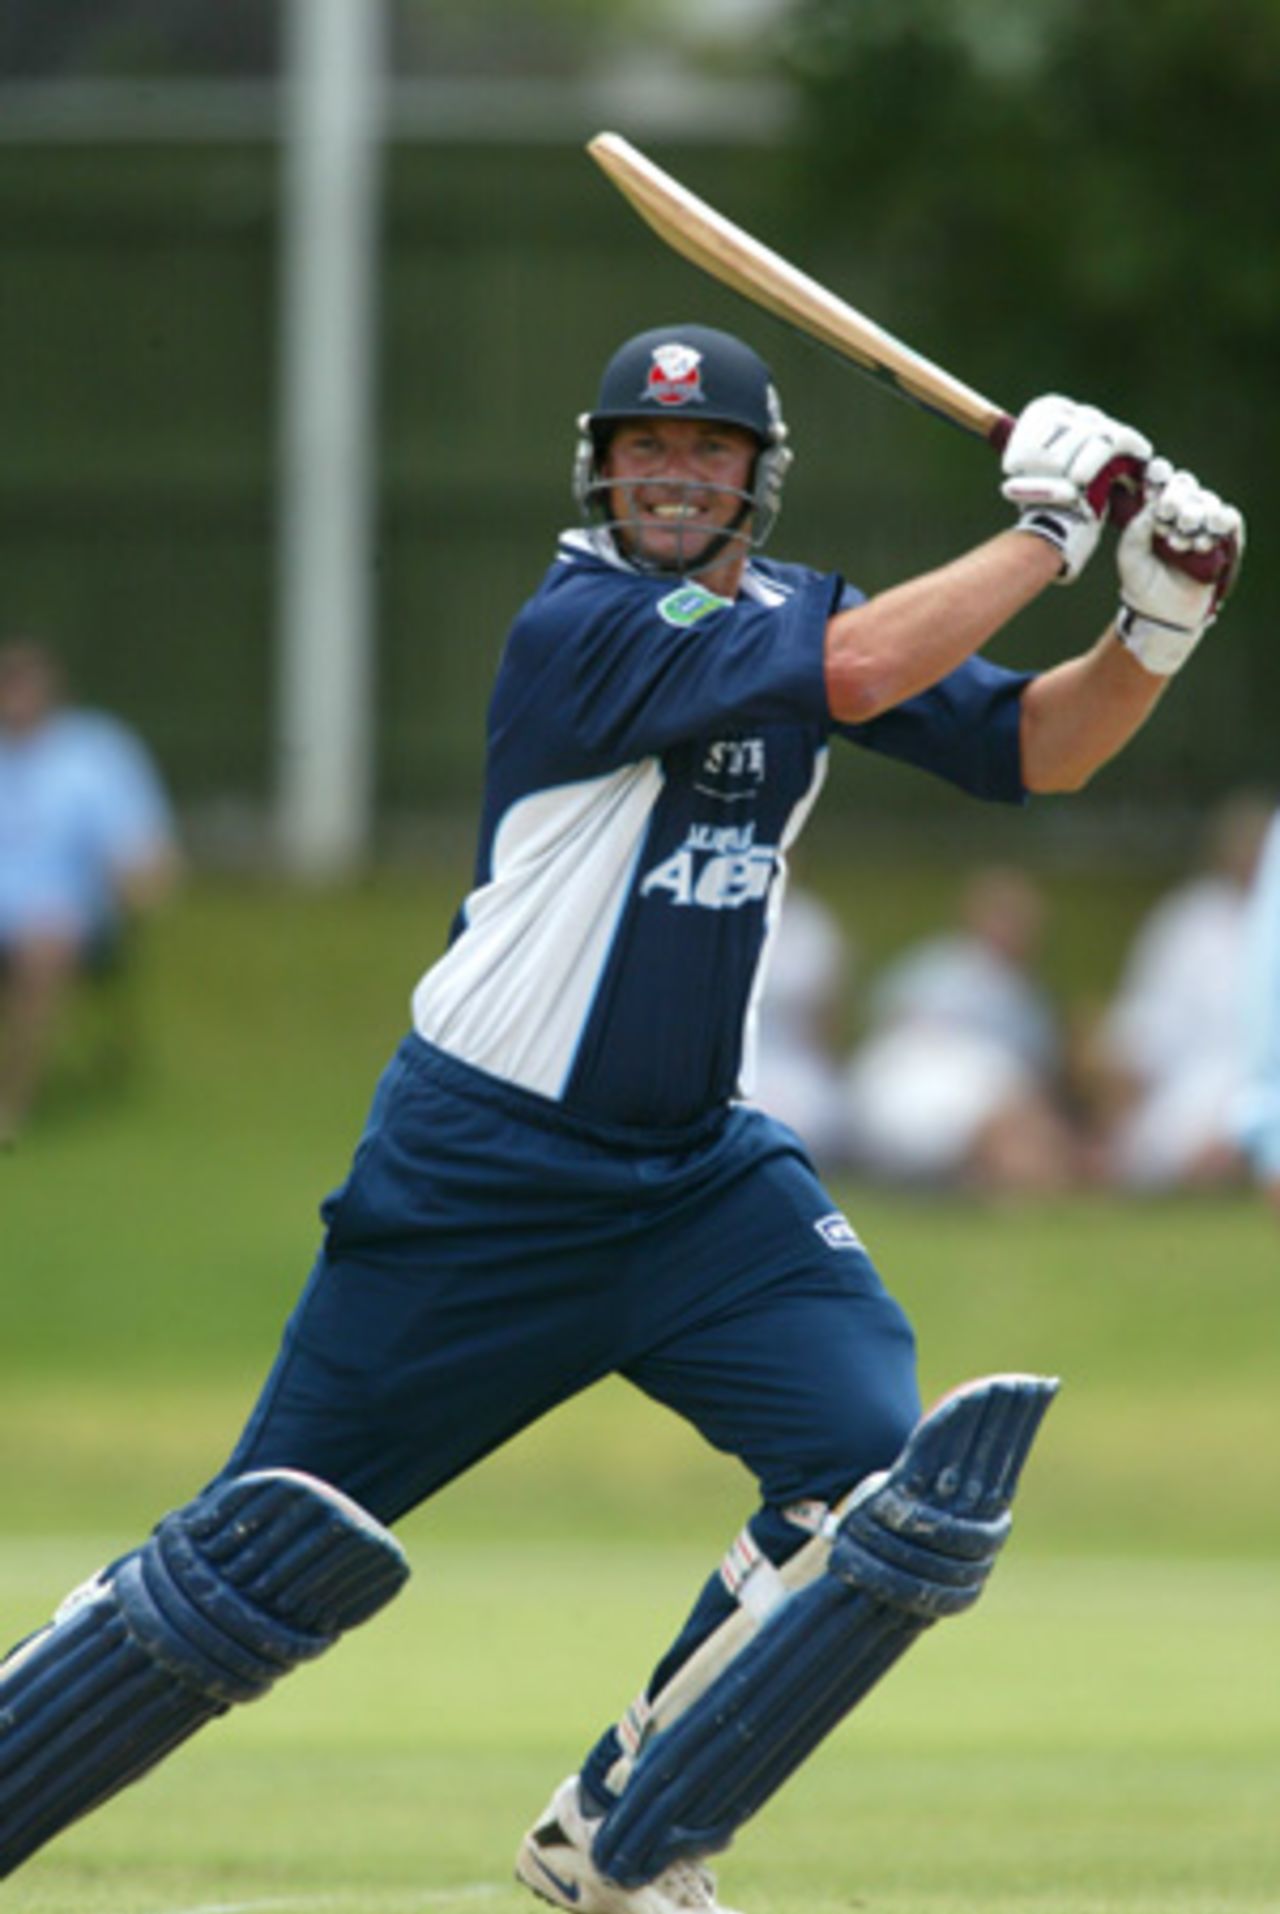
{"points": [[695, 230], [754, 271]]}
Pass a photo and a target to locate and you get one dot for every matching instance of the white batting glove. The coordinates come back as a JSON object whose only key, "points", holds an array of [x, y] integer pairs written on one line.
{"points": [[1177, 561], [1061, 465]]}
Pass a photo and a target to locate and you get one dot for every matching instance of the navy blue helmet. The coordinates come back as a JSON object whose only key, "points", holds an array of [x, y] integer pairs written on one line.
{"points": [[689, 371]]}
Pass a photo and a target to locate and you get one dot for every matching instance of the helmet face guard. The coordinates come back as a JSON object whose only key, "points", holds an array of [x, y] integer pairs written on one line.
{"points": [[691, 372]]}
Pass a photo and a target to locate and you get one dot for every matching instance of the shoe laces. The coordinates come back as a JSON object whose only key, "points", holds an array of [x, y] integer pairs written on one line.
{"points": [[689, 1884]]}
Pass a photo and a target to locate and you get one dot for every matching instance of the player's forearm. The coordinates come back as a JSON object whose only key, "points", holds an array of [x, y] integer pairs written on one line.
{"points": [[1081, 713], [147, 883], [904, 640]]}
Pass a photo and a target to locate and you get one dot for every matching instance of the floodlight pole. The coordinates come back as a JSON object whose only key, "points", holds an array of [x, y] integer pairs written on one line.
{"points": [[333, 70]]}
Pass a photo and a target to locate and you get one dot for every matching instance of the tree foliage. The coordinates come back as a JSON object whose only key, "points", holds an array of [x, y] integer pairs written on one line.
{"points": [[1070, 195], [1104, 176]]}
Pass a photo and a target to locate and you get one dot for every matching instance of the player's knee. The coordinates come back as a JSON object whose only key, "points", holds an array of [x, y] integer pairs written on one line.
{"points": [[860, 1436], [260, 1573], [867, 1422], [924, 1535]]}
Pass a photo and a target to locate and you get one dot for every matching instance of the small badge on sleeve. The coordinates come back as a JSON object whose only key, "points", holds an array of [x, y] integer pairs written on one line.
{"points": [[837, 1232], [688, 603]]}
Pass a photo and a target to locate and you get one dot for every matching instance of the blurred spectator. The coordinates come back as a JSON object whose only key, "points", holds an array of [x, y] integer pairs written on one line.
{"points": [[1171, 1049], [1258, 1110], [86, 840], [800, 1026], [957, 1082]]}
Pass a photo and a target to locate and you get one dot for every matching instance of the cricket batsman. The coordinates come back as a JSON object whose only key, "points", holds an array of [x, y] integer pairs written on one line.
{"points": [[560, 1178]]}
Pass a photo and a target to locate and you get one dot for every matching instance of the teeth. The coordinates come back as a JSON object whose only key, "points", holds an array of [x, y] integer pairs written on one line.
{"points": [[674, 511]]}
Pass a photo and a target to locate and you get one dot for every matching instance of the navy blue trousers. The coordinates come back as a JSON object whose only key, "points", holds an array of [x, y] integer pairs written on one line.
{"points": [[488, 1257]]}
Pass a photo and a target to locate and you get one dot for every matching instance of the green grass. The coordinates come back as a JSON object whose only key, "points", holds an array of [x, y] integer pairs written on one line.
{"points": [[1102, 1736], [1096, 1737]]}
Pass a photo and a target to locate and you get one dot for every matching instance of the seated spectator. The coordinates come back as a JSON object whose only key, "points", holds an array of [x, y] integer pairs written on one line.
{"points": [[1257, 1116], [956, 1084], [86, 840], [800, 1026], [1171, 1042]]}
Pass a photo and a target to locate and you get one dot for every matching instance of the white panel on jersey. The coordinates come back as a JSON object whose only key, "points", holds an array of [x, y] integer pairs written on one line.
{"points": [[512, 993], [765, 591], [747, 1071]]}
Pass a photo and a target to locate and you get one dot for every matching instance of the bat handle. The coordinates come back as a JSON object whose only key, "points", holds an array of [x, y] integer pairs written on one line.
{"points": [[1123, 501]]}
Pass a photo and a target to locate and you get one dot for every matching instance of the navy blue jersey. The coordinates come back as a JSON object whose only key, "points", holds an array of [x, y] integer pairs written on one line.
{"points": [[653, 751]]}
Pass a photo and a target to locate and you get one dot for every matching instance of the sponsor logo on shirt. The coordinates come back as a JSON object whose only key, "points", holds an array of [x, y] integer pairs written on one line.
{"points": [[731, 769], [718, 867], [688, 603], [837, 1232]]}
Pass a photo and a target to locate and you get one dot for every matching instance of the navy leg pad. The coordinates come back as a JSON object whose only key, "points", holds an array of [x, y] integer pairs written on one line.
{"points": [[918, 1544], [255, 1576]]}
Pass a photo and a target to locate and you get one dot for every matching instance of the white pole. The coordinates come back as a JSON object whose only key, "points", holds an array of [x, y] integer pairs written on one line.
{"points": [[334, 55]]}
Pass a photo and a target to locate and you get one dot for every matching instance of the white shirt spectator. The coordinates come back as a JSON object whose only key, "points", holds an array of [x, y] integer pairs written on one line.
{"points": [[1174, 1030], [797, 1075], [1257, 1116], [955, 1082]]}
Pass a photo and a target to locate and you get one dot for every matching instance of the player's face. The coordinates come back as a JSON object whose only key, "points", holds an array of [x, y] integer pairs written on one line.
{"points": [[677, 484]]}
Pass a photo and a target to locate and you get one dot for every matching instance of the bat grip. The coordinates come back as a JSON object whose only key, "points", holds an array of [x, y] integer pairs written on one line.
{"points": [[1121, 501], [1120, 496]]}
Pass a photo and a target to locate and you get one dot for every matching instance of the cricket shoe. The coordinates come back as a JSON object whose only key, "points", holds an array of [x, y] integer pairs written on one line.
{"points": [[555, 1861]]}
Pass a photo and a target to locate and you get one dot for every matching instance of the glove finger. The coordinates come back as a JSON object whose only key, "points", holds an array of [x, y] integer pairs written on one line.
{"points": [[1180, 505], [1217, 564], [1066, 437], [1106, 443], [1033, 426], [1034, 488], [1224, 521]]}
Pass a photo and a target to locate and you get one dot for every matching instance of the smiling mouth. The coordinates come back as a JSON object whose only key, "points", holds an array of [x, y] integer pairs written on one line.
{"points": [[672, 514], [674, 527]]}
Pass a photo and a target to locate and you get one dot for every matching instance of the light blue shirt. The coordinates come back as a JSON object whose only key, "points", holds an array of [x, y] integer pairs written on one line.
{"points": [[81, 805], [1259, 1112]]}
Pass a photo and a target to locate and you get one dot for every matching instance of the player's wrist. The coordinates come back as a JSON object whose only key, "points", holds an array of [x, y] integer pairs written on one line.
{"points": [[1160, 647], [1073, 535]]}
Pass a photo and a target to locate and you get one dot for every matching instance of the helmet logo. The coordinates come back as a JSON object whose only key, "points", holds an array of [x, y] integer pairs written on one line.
{"points": [[675, 377]]}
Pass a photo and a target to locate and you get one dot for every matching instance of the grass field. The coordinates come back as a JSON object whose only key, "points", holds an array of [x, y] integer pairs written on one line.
{"points": [[1102, 1736], [1095, 1737]]}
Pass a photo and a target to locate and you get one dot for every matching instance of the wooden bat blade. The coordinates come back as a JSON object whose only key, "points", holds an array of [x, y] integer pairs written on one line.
{"points": [[703, 236]]}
